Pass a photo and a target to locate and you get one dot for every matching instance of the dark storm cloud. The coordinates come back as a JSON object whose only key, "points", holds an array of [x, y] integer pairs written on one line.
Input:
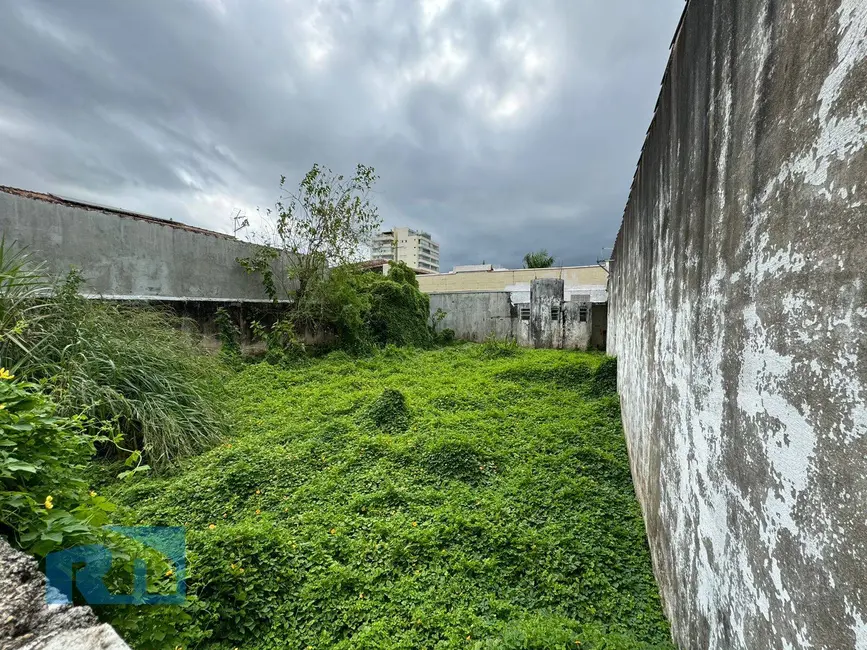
{"points": [[498, 125]]}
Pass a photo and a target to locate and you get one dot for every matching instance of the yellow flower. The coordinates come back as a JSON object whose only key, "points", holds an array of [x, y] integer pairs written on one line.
{"points": [[415, 523], [258, 491], [92, 493], [5, 374], [49, 502], [233, 566], [333, 531], [258, 512], [212, 526], [169, 573]]}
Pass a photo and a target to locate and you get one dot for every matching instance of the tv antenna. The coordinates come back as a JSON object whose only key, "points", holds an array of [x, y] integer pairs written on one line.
{"points": [[239, 222], [604, 260]]}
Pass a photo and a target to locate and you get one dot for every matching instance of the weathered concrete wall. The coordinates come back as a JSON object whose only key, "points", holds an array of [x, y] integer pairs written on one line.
{"points": [[739, 312], [544, 322], [28, 623], [476, 315], [544, 329], [122, 255]]}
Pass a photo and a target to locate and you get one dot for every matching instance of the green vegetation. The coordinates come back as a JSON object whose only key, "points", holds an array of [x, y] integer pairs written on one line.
{"points": [[44, 501], [80, 377], [378, 497], [538, 260], [463, 497], [311, 260], [132, 372]]}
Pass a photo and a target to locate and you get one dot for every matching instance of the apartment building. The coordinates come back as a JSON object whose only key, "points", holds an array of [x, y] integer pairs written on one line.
{"points": [[413, 247]]}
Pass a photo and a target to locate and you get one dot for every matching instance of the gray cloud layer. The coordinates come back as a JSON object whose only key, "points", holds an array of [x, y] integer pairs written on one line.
{"points": [[498, 125]]}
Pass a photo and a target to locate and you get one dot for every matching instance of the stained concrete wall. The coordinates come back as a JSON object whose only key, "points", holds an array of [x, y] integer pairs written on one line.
{"points": [[545, 330], [123, 255], [738, 316], [476, 315]]}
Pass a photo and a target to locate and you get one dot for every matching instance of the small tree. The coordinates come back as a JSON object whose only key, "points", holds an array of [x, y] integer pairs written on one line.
{"points": [[538, 260], [323, 224]]}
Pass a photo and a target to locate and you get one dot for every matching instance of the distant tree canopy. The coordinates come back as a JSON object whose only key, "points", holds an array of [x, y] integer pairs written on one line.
{"points": [[538, 260]]}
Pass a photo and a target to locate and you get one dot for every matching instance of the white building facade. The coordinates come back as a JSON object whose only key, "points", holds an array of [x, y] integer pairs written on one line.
{"points": [[413, 247]]}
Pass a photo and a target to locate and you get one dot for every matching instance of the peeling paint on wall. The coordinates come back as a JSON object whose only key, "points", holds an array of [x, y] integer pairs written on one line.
{"points": [[738, 312]]}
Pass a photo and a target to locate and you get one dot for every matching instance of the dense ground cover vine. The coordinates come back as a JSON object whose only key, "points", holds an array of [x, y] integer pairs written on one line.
{"points": [[496, 511]]}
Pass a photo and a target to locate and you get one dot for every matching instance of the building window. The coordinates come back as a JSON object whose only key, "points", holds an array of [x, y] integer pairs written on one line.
{"points": [[555, 312], [525, 313], [582, 313]]}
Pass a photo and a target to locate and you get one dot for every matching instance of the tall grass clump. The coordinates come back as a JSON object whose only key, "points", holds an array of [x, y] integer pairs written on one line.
{"points": [[23, 290], [133, 372]]}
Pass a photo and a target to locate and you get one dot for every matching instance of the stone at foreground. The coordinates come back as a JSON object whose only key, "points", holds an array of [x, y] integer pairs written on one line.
{"points": [[27, 622]]}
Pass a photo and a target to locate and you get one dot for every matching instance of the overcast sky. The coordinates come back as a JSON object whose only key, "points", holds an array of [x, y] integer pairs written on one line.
{"points": [[500, 126]]}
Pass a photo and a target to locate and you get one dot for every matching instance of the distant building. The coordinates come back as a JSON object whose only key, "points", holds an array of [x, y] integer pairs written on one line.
{"points": [[581, 283], [415, 248]]}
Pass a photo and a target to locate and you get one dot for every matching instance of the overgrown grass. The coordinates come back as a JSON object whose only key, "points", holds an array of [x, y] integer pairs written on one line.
{"points": [[496, 511], [134, 372]]}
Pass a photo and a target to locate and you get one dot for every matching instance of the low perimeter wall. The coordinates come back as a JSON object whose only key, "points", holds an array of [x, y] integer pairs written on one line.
{"points": [[739, 312], [547, 321]]}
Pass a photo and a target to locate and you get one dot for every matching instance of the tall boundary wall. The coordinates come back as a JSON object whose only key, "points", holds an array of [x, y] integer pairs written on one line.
{"points": [[738, 304], [124, 255]]}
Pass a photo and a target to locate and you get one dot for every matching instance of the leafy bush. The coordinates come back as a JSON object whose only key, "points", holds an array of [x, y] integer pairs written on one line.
{"points": [[389, 412], [44, 503], [282, 343], [229, 336], [504, 513], [445, 337], [45, 506], [399, 312]]}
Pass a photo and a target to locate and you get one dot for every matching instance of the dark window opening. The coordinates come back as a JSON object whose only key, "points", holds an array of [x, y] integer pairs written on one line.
{"points": [[525, 313], [582, 313], [555, 312]]}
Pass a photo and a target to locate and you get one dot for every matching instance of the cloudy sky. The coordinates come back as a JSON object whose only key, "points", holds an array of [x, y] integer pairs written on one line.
{"points": [[500, 126]]}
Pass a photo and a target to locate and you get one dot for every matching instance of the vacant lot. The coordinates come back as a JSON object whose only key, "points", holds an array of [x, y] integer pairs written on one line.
{"points": [[467, 497]]}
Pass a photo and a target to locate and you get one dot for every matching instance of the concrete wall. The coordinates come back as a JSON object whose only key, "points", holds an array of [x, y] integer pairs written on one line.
{"points": [[739, 312], [544, 330], [123, 255], [476, 315]]}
